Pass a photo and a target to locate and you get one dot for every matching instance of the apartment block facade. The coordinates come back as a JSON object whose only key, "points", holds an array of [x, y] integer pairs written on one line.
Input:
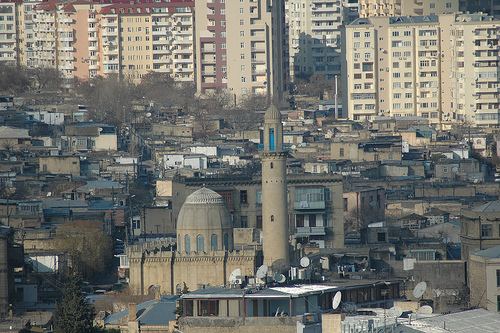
{"points": [[419, 66], [371, 8], [240, 47], [141, 37], [314, 34]]}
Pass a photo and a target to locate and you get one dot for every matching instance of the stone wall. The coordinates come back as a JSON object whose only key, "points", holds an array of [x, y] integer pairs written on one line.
{"points": [[239, 324]]}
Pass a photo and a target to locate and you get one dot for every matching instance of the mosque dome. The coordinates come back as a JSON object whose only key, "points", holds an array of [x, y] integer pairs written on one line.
{"points": [[204, 216], [272, 113]]}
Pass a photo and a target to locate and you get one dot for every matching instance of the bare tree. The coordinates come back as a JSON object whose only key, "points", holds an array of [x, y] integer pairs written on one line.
{"points": [[109, 99]]}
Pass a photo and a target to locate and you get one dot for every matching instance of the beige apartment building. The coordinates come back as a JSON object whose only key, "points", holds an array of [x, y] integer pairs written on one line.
{"points": [[141, 37], [240, 47], [370, 8], [314, 34], [418, 66]]}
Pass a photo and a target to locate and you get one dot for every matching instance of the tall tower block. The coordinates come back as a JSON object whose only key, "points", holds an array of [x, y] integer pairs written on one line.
{"points": [[274, 191]]}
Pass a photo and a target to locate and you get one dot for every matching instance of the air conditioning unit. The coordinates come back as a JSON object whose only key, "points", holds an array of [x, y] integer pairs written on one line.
{"points": [[238, 281]]}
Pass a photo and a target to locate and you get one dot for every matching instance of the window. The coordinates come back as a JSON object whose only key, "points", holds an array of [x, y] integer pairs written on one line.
{"points": [[272, 218], [226, 242], [299, 221], [187, 243], [200, 244], [213, 242], [258, 197], [242, 34], [242, 45], [341, 152], [244, 221], [367, 34], [486, 230], [243, 79], [259, 222], [381, 236], [243, 197], [498, 278], [345, 205]]}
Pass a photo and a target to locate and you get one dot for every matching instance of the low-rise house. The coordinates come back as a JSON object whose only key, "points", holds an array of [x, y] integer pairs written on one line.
{"points": [[383, 148], [65, 165], [437, 216], [483, 275], [14, 139], [84, 137], [185, 160], [414, 222], [156, 315]]}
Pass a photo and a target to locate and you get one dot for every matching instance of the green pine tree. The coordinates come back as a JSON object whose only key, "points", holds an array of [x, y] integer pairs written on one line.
{"points": [[74, 314]]}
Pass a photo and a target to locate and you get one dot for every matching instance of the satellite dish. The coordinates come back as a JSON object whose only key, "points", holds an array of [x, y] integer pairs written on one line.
{"points": [[262, 271], [233, 277], [426, 309], [304, 262], [336, 300], [395, 311], [372, 203], [100, 129], [280, 278], [148, 114], [419, 289]]}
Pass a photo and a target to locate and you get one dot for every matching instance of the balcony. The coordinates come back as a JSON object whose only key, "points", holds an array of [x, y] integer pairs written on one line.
{"points": [[258, 49], [208, 50], [162, 61], [208, 61], [309, 231], [208, 73], [258, 61]]}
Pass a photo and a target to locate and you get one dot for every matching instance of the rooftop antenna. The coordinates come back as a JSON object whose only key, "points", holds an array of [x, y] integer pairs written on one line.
{"points": [[235, 277], [336, 300], [426, 309], [279, 278], [419, 289], [262, 272], [305, 262], [395, 311]]}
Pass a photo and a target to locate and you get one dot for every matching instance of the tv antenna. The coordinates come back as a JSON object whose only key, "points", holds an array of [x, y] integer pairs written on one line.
{"points": [[426, 309], [280, 278], [262, 272], [235, 277], [305, 262], [395, 311], [336, 300], [419, 289]]}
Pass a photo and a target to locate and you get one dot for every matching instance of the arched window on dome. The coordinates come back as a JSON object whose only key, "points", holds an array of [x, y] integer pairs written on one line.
{"points": [[214, 242], [226, 242], [187, 243], [200, 244]]}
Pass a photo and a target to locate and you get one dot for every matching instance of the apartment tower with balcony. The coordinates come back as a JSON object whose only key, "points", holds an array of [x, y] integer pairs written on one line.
{"points": [[314, 34], [240, 47], [440, 67]]}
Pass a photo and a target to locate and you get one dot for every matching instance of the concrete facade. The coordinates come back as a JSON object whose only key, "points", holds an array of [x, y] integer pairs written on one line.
{"points": [[60, 165]]}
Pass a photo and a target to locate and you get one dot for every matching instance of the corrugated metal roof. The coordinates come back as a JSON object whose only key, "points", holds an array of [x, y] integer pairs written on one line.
{"points": [[149, 313]]}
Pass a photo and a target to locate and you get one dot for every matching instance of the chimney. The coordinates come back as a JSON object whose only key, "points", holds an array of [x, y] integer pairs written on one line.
{"points": [[132, 312]]}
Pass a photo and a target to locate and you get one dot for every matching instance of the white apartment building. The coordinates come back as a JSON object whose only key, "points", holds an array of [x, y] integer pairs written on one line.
{"points": [[314, 34], [443, 68], [240, 47]]}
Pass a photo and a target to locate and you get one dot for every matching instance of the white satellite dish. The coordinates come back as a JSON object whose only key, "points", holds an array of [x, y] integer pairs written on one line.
{"points": [[280, 278], [419, 289], [395, 311], [233, 277], [148, 114], [336, 300], [100, 129], [426, 309], [304, 262], [262, 271]]}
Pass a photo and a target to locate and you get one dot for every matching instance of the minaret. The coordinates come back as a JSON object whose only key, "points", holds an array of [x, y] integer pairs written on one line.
{"points": [[274, 191]]}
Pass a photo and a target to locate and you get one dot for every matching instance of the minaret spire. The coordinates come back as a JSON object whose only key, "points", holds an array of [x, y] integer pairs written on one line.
{"points": [[274, 191]]}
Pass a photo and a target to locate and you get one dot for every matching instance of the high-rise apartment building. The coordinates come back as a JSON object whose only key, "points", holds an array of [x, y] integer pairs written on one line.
{"points": [[141, 37], [314, 34], [371, 8], [443, 68], [9, 21], [240, 47]]}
